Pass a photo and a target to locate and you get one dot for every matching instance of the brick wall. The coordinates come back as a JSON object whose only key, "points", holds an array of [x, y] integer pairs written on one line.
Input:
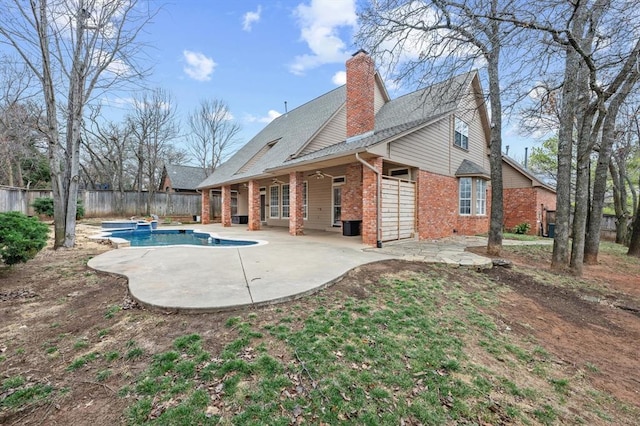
{"points": [[254, 206], [360, 94], [369, 228], [296, 207], [166, 183], [437, 205], [205, 216], [226, 205], [546, 201], [438, 209], [352, 193], [520, 205]]}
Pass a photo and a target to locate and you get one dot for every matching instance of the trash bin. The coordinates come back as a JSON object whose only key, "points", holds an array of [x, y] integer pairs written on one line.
{"points": [[351, 228], [240, 219], [552, 230]]}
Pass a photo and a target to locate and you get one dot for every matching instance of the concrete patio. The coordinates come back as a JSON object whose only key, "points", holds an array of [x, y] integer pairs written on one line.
{"points": [[200, 279]]}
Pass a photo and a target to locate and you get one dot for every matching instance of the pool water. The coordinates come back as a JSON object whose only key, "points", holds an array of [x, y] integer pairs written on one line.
{"points": [[176, 237]]}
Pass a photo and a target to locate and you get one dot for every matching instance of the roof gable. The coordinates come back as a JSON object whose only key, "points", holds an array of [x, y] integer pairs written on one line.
{"points": [[184, 177]]}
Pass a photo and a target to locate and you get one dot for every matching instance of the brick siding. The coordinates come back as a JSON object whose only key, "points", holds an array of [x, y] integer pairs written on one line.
{"points": [[254, 206], [296, 206], [360, 94], [205, 216], [369, 228], [352, 193], [438, 209], [226, 205]]}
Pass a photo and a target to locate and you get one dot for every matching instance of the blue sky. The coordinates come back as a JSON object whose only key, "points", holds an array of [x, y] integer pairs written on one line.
{"points": [[255, 55]]}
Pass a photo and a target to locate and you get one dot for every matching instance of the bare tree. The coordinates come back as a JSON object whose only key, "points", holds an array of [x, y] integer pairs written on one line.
{"points": [[442, 36], [213, 133], [108, 156], [19, 123], [154, 125], [74, 48], [600, 54]]}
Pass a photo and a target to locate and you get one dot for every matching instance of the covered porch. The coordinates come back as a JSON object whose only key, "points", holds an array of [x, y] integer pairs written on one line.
{"points": [[325, 196]]}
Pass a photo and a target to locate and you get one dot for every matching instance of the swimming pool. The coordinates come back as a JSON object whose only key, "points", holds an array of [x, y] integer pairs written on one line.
{"points": [[176, 237]]}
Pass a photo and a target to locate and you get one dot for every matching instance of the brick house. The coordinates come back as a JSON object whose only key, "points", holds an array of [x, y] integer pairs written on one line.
{"points": [[526, 198], [357, 160]]}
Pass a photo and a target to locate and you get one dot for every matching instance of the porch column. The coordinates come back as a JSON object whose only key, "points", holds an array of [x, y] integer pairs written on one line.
{"points": [[352, 193], [254, 206], [296, 207], [204, 209], [226, 205], [370, 202]]}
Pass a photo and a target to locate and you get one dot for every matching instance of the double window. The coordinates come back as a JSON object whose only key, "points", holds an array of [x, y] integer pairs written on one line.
{"points": [[466, 196], [280, 201], [461, 134]]}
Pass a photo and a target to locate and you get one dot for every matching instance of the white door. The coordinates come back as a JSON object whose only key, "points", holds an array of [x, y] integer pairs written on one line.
{"points": [[398, 208]]}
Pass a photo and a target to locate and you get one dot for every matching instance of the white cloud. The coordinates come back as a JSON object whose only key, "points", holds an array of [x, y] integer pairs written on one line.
{"points": [[250, 18], [339, 78], [319, 23], [199, 67], [271, 115]]}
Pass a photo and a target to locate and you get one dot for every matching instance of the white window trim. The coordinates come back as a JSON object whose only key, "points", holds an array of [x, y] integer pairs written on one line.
{"points": [[462, 127], [460, 199], [338, 180], [282, 205], [305, 200], [402, 176], [277, 204], [481, 196]]}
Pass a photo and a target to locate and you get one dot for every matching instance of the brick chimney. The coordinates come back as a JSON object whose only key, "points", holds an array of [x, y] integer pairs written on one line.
{"points": [[360, 94]]}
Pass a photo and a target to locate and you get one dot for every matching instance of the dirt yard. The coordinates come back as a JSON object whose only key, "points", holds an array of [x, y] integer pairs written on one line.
{"points": [[54, 305]]}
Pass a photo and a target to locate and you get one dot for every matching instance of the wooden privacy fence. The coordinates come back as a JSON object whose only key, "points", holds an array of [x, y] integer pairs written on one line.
{"points": [[109, 203]]}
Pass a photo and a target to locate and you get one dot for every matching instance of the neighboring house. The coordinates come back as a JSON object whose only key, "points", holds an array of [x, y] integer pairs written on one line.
{"points": [[415, 166], [526, 198], [177, 178]]}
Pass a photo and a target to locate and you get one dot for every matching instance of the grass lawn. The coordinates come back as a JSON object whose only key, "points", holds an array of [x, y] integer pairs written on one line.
{"points": [[394, 343]]}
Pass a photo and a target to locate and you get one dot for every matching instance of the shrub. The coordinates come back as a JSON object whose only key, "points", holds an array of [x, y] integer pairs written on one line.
{"points": [[44, 206], [522, 228], [21, 237]]}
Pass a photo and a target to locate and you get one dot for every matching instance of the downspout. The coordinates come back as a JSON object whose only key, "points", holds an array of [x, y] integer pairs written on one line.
{"points": [[378, 200]]}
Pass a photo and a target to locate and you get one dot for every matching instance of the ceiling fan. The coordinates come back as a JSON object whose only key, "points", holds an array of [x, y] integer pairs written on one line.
{"points": [[318, 174]]}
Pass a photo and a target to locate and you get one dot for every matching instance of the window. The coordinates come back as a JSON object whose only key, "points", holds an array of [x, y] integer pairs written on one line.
{"points": [[285, 200], [274, 202], [465, 196], [304, 200], [461, 138], [481, 197], [234, 204]]}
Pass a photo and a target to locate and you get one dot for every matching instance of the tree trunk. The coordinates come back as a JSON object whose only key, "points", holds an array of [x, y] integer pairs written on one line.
{"points": [[619, 202], [634, 244], [494, 244], [560, 256]]}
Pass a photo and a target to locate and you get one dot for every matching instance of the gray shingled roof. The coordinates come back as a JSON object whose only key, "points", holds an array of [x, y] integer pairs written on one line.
{"points": [[292, 130], [185, 177], [296, 128], [469, 168]]}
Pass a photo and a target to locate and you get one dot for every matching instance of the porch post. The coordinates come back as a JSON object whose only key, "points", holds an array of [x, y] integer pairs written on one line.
{"points": [[226, 205], [204, 209], [370, 202], [254, 206], [296, 208]]}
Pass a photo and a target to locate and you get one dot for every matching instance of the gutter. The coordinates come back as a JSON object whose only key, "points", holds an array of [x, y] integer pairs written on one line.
{"points": [[378, 199]]}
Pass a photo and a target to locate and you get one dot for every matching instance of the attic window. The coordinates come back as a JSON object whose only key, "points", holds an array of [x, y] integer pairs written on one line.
{"points": [[257, 157], [461, 137]]}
